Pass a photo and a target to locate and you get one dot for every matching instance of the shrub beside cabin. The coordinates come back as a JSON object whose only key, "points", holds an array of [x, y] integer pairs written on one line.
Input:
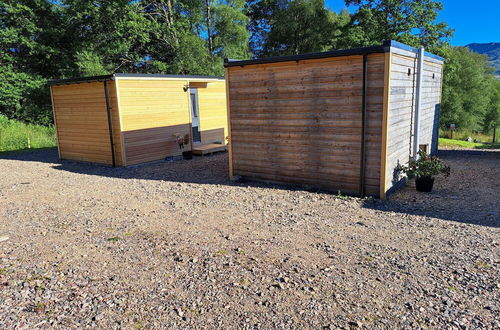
{"points": [[339, 120], [126, 119]]}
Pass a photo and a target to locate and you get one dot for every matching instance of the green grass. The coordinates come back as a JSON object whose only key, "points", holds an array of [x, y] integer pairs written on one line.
{"points": [[463, 134], [16, 135], [468, 145]]}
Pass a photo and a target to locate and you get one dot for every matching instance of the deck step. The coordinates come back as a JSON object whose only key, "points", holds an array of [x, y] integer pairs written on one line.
{"points": [[206, 149]]}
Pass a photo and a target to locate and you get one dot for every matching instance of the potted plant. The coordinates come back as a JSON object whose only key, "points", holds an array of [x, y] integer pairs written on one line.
{"points": [[183, 141], [423, 169]]}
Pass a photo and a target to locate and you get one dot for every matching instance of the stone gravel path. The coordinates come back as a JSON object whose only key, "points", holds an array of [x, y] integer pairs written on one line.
{"points": [[177, 245]]}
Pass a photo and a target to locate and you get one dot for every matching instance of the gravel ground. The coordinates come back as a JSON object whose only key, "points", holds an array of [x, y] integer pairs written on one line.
{"points": [[176, 245]]}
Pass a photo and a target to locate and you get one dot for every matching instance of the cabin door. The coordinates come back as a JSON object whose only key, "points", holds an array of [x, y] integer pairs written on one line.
{"points": [[195, 115]]}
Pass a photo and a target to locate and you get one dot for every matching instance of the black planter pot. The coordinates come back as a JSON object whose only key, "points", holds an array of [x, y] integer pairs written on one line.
{"points": [[424, 184], [187, 154]]}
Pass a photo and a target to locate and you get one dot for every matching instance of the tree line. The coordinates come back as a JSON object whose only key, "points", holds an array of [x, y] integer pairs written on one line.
{"points": [[47, 39]]}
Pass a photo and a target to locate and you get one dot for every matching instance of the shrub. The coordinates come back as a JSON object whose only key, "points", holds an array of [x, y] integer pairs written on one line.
{"points": [[424, 166]]}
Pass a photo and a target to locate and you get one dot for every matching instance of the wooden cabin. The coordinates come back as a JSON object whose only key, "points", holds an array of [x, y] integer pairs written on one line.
{"points": [[339, 120], [126, 119]]}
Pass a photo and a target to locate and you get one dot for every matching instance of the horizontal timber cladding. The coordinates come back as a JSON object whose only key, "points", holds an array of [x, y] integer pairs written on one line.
{"points": [[153, 113], [213, 111], [82, 122], [431, 101], [402, 100], [401, 111], [300, 122]]}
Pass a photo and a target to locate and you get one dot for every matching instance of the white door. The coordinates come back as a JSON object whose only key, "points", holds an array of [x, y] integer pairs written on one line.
{"points": [[195, 115]]}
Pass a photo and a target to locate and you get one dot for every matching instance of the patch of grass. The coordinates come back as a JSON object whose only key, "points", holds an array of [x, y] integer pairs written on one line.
{"points": [[469, 145], [114, 239], [220, 253], [342, 196], [463, 134], [138, 325], [40, 307], [483, 265], [369, 259], [16, 135]]}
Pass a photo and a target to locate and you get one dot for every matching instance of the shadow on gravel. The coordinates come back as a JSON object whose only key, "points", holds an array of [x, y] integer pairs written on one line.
{"points": [[470, 195], [483, 218], [207, 170]]}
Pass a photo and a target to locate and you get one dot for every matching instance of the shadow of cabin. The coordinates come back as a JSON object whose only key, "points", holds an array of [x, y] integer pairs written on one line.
{"points": [[213, 171], [127, 119]]}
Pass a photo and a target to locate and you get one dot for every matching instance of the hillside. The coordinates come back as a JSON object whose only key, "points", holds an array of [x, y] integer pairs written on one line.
{"points": [[491, 49]]}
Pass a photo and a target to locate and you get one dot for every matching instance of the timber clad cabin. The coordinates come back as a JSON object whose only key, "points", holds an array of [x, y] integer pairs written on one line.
{"points": [[340, 120], [126, 119]]}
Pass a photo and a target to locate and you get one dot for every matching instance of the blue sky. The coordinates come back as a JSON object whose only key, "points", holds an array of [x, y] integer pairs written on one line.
{"points": [[473, 21]]}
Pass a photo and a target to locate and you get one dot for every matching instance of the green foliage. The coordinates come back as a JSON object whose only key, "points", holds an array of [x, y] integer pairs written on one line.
{"points": [[46, 39], [463, 134], [424, 166], [293, 26], [411, 22], [469, 91], [443, 142], [491, 118], [22, 56], [15, 135]]}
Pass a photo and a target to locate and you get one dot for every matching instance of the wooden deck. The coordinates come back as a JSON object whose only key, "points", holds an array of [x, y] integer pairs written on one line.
{"points": [[205, 149]]}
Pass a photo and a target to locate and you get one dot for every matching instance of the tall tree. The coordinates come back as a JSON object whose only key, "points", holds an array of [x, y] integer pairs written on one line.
{"points": [[27, 56], [412, 22], [467, 91], [491, 121], [283, 27]]}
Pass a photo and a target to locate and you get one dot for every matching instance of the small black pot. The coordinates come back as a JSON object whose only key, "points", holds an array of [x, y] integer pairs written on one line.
{"points": [[187, 154], [424, 184]]}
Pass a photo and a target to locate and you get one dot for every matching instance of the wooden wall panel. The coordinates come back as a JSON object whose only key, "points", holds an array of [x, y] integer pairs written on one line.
{"points": [[402, 100], [153, 112], [300, 122], [400, 117], [116, 123], [431, 102], [213, 112], [81, 119]]}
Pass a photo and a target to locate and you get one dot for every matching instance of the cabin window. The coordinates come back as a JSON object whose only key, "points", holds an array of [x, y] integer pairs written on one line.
{"points": [[194, 106]]}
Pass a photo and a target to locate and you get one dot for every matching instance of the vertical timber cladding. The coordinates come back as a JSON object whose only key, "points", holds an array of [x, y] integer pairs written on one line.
{"points": [[82, 121], [300, 121]]}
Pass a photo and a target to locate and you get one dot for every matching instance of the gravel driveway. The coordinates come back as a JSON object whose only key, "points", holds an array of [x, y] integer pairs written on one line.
{"points": [[176, 245]]}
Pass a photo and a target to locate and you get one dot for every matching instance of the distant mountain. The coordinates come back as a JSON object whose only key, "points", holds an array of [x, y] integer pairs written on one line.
{"points": [[491, 49]]}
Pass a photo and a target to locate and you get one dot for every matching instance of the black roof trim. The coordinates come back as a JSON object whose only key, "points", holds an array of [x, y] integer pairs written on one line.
{"points": [[155, 75], [385, 47], [127, 75], [81, 79]]}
